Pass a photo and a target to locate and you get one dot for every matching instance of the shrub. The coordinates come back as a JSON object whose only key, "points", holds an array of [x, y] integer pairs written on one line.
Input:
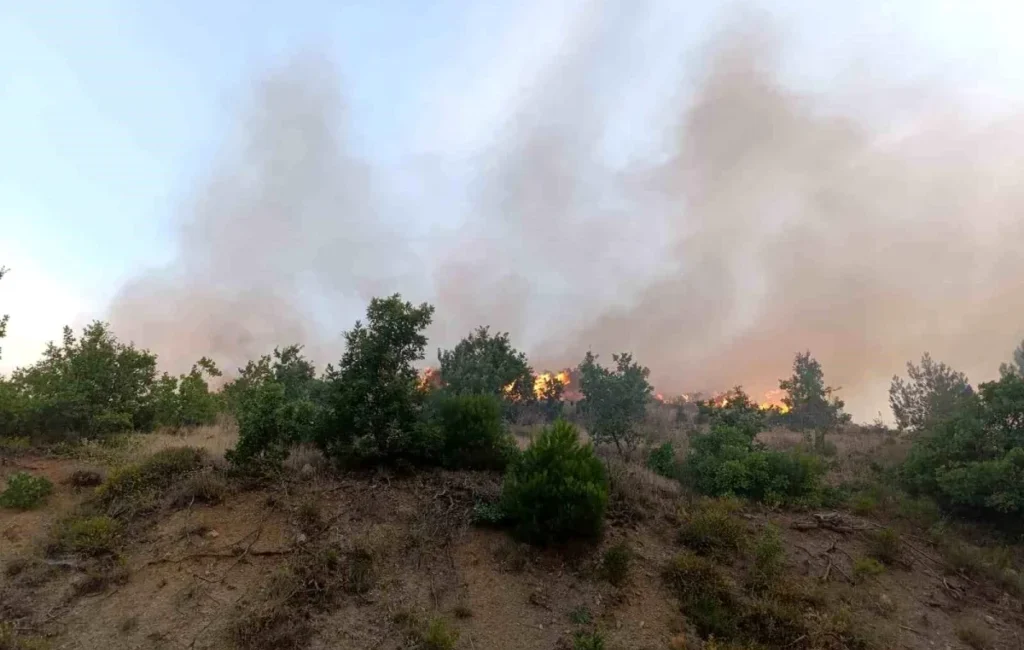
{"points": [[884, 545], [588, 641], [728, 461], [662, 461], [713, 531], [373, 395], [769, 559], [93, 385], [974, 460], [580, 616], [271, 626], [86, 535], [277, 403], [867, 567], [440, 635], [158, 471], [614, 400], [186, 401], [615, 564], [85, 478], [974, 635], [201, 487], [557, 489], [487, 514], [704, 592], [472, 431], [25, 491]]}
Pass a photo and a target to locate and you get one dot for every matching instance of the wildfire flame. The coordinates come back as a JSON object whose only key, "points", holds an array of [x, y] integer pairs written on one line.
{"points": [[544, 381]]}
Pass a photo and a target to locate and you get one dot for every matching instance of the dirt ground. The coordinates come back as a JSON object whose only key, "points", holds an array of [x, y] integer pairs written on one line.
{"points": [[188, 574]]}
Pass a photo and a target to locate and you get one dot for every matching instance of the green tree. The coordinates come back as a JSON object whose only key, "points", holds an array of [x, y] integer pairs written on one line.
{"points": [[933, 393], [734, 409], [813, 406], [92, 385], [974, 459], [373, 393], [186, 401], [278, 401], [482, 364], [557, 489], [614, 399], [1015, 367]]}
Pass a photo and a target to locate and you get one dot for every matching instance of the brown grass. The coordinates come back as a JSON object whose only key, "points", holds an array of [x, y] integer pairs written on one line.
{"points": [[214, 438]]}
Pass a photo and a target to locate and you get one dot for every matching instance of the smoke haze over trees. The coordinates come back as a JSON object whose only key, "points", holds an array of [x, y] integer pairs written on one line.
{"points": [[865, 224]]}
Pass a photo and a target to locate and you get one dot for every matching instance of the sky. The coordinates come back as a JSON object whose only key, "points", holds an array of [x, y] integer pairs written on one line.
{"points": [[112, 112]]}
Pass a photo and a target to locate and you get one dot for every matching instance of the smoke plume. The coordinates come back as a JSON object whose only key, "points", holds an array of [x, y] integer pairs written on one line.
{"points": [[770, 220]]}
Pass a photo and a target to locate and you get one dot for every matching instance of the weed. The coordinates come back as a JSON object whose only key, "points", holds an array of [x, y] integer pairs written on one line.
{"points": [[974, 635], [487, 514], [588, 641], [884, 545], [271, 627], [439, 635], [713, 531], [580, 616], [863, 504], [25, 491], [15, 444], [85, 478], [704, 592], [131, 486], [769, 559], [200, 487], [867, 567], [511, 556], [615, 564], [310, 520], [128, 624], [11, 640], [86, 535], [462, 611], [99, 578]]}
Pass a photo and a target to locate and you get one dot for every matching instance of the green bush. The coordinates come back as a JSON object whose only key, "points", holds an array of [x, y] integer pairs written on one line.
{"points": [[440, 635], [712, 531], [885, 546], [588, 641], [86, 535], [769, 560], [867, 567], [186, 401], [374, 396], [93, 385], [727, 461], [615, 564], [473, 434], [705, 594], [557, 488], [973, 461], [662, 461], [25, 491]]}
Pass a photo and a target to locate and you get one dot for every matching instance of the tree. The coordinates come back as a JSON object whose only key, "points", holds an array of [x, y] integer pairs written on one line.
{"points": [[933, 393], [614, 400], [92, 385], [186, 401], [974, 459], [373, 393], [813, 406], [734, 409], [482, 364], [1015, 367], [278, 402]]}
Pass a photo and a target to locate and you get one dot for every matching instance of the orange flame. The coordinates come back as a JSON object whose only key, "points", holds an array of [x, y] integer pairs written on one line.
{"points": [[544, 380]]}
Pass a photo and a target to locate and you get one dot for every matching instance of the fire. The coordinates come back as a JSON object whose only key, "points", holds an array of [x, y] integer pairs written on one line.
{"points": [[544, 381], [509, 388], [773, 400], [429, 378]]}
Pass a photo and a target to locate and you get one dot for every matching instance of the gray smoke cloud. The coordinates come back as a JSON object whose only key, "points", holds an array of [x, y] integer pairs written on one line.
{"points": [[861, 226]]}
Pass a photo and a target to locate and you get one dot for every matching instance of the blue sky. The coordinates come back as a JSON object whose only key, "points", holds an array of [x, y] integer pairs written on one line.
{"points": [[112, 111]]}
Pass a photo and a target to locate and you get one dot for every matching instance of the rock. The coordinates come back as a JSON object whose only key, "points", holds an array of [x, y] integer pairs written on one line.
{"points": [[307, 470], [301, 538], [212, 534]]}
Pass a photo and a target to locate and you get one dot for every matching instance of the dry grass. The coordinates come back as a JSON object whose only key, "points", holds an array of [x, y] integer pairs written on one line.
{"points": [[307, 461], [214, 438]]}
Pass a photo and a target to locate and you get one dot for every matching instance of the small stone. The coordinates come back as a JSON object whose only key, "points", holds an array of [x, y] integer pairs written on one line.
{"points": [[307, 470], [301, 538], [212, 534]]}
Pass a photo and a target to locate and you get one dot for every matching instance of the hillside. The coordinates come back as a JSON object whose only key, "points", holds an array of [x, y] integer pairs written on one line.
{"points": [[315, 558]]}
